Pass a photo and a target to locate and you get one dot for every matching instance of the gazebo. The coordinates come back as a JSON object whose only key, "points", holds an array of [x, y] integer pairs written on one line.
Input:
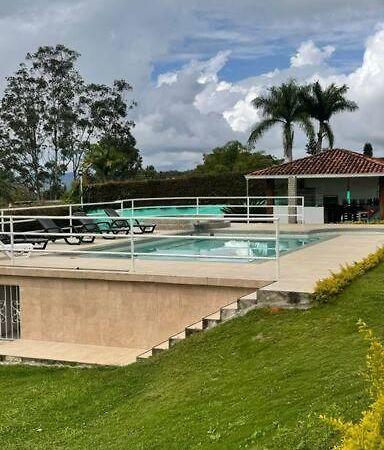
{"points": [[336, 184]]}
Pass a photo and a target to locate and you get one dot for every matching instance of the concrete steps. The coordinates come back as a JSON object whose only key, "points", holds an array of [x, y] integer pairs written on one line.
{"points": [[257, 299], [227, 312]]}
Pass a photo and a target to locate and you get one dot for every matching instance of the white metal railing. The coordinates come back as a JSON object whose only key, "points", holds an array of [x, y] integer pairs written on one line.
{"points": [[9, 221], [250, 203]]}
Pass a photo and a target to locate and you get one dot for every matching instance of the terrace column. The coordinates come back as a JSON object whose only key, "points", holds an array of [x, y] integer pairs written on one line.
{"points": [[270, 192], [381, 197]]}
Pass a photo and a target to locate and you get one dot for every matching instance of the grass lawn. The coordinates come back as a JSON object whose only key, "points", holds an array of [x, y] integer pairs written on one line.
{"points": [[257, 382]]}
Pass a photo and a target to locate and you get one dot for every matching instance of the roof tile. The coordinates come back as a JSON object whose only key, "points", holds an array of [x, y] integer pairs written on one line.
{"points": [[329, 162]]}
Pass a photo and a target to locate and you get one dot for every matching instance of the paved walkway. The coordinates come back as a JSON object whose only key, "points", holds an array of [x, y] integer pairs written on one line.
{"points": [[299, 270], [68, 353]]}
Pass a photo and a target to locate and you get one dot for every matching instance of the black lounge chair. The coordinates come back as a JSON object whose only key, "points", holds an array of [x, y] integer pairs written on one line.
{"points": [[142, 226], [95, 226], [49, 226], [39, 243]]}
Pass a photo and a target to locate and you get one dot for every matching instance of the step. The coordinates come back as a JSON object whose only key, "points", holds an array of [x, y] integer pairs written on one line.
{"points": [[160, 348], [144, 356], [194, 328], [229, 311], [212, 320], [248, 301], [173, 340]]}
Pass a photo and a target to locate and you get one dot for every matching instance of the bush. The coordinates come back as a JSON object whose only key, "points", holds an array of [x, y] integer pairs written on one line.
{"points": [[191, 186], [368, 433], [327, 288]]}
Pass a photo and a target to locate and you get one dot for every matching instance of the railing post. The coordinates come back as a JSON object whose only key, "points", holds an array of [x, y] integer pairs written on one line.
{"points": [[2, 221], [132, 207], [302, 210], [277, 247], [197, 206], [132, 246], [121, 207], [248, 209], [12, 240], [70, 217]]}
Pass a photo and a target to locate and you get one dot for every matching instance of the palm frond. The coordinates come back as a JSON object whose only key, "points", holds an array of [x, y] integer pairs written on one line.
{"points": [[259, 130]]}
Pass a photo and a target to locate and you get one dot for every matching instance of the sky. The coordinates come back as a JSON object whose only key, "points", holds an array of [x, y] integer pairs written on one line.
{"points": [[195, 65]]}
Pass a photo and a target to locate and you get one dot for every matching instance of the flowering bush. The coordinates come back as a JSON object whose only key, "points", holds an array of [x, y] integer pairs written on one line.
{"points": [[329, 287], [368, 433]]}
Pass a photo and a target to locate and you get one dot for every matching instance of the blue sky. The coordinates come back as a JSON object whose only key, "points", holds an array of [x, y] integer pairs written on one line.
{"points": [[195, 65]]}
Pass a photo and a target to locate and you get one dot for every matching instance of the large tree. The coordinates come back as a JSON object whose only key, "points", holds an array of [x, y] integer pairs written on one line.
{"points": [[321, 104], [50, 116], [282, 106], [233, 157]]}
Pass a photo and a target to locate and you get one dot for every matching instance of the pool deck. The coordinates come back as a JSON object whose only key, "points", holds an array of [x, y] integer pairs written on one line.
{"points": [[299, 270]]}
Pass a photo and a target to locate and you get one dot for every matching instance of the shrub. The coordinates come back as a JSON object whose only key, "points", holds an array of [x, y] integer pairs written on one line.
{"points": [[368, 433], [189, 186], [327, 288]]}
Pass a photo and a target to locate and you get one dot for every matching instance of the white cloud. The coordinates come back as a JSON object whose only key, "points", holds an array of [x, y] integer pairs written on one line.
{"points": [[166, 78], [310, 55]]}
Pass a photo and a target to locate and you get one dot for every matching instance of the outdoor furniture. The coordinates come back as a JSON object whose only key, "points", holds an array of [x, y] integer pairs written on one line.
{"points": [[142, 226], [49, 226], [97, 227], [38, 243], [16, 249]]}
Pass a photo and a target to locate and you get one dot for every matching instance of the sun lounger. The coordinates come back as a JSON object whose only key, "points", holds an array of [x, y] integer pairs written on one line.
{"points": [[142, 226], [39, 243], [49, 226], [18, 249], [89, 225]]}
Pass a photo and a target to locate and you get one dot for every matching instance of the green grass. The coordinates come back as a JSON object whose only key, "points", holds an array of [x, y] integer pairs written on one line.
{"points": [[257, 382]]}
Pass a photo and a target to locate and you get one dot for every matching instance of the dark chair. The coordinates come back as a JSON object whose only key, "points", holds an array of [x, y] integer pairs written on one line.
{"points": [[49, 226], [143, 227], [89, 225], [39, 243]]}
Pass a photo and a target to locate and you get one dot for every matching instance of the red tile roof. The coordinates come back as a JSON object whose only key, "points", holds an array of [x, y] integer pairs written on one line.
{"points": [[327, 163]]}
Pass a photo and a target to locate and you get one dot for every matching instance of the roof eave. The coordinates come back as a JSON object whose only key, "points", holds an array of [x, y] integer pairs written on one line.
{"points": [[331, 175]]}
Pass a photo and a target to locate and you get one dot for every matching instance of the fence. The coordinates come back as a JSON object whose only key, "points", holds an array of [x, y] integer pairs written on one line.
{"points": [[13, 246]]}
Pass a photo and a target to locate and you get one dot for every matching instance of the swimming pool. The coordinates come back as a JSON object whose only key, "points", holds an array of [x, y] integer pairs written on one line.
{"points": [[223, 248], [166, 211]]}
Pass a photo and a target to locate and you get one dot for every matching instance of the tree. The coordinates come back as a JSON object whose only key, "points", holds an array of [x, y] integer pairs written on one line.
{"points": [[368, 150], [282, 106], [50, 115], [311, 146], [114, 157], [233, 157], [23, 128], [321, 104]]}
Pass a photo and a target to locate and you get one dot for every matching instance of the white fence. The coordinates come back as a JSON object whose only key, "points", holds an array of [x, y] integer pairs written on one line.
{"points": [[13, 248]]}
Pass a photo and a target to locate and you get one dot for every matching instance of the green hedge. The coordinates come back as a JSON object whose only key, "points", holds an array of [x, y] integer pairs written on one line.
{"points": [[194, 186]]}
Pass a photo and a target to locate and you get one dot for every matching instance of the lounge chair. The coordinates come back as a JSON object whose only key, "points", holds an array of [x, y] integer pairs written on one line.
{"points": [[49, 226], [38, 243], [17, 250], [95, 226], [142, 226]]}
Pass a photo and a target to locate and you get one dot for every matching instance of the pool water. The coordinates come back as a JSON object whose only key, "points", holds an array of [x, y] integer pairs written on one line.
{"points": [[164, 211], [226, 249]]}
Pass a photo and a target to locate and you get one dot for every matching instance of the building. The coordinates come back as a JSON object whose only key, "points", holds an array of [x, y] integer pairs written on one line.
{"points": [[336, 184]]}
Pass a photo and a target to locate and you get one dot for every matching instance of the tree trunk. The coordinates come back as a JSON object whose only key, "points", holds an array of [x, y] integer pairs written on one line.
{"points": [[292, 184], [320, 134]]}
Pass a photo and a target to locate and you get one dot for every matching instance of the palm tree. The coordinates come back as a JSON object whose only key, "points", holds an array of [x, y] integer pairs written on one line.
{"points": [[282, 106], [321, 104]]}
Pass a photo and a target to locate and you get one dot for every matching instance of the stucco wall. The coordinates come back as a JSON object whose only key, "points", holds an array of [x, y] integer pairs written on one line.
{"points": [[116, 313]]}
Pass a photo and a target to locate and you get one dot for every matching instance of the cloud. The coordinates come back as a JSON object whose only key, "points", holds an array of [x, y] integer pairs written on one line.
{"points": [[191, 117], [190, 62], [310, 55]]}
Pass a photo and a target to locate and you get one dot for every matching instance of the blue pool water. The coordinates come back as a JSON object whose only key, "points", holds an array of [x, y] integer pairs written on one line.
{"points": [[166, 211], [225, 249]]}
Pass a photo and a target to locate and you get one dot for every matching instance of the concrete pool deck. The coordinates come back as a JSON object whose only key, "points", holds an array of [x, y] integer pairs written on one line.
{"points": [[299, 270]]}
